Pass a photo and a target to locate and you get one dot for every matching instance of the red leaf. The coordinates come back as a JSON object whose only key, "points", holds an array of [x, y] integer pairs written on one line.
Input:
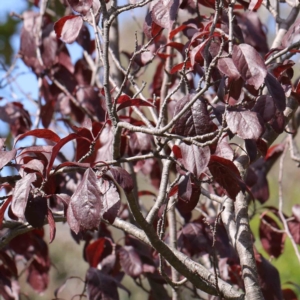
{"points": [[246, 124], [94, 252], [20, 195], [52, 225], [58, 146], [177, 151], [289, 294], [39, 133], [226, 174], [177, 46], [180, 66], [274, 151], [130, 261], [178, 29], [67, 28], [3, 209], [254, 5], [134, 102], [84, 210], [249, 64]]}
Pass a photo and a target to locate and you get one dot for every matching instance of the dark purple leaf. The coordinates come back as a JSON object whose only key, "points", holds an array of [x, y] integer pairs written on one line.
{"points": [[196, 121], [271, 240], [188, 195], [36, 211], [110, 199], [265, 107], [195, 159], [192, 239], [249, 64], [6, 157], [246, 124], [67, 28], [260, 189], [278, 121], [268, 277], [253, 31], [251, 149], [9, 263], [130, 261], [20, 195], [164, 13], [226, 174], [84, 39], [84, 210], [276, 91], [123, 178], [81, 6], [101, 286]]}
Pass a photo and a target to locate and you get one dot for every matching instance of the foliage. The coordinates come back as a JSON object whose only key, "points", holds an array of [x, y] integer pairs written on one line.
{"points": [[202, 135]]}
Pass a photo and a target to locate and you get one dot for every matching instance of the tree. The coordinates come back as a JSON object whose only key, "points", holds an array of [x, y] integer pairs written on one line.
{"points": [[202, 130]]}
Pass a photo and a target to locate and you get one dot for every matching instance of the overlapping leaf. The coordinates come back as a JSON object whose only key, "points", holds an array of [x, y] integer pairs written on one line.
{"points": [[195, 121], [164, 13], [195, 159], [246, 124], [130, 261], [249, 64], [21, 193], [110, 199], [270, 236], [67, 28], [84, 210], [226, 174]]}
